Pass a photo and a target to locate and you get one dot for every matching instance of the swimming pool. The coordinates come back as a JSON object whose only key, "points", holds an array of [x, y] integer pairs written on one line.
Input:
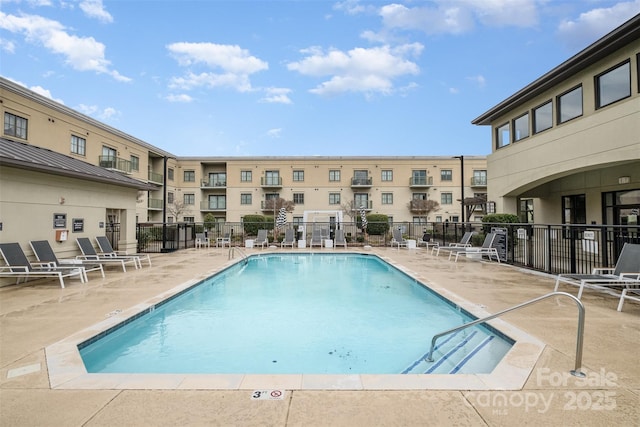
{"points": [[342, 314]]}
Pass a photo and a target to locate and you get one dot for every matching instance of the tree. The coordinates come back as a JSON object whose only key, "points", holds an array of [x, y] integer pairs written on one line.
{"points": [[350, 209], [178, 208], [276, 203], [423, 207], [472, 203]]}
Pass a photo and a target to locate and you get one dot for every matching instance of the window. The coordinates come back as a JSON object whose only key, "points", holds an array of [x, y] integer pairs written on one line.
{"points": [[613, 85], [334, 198], [387, 175], [479, 177], [446, 198], [297, 221], [169, 197], [334, 175], [419, 177], [298, 198], [272, 178], [189, 176], [298, 176], [189, 199], [170, 174], [360, 177], [15, 125], [108, 158], [135, 163], [543, 117], [361, 200], [246, 199], [503, 136], [217, 202], [387, 198], [446, 175], [419, 196], [170, 219], [574, 209], [525, 213], [189, 219], [570, 105], [217, 179], [246, 176], [521, 127], [78, 145]]}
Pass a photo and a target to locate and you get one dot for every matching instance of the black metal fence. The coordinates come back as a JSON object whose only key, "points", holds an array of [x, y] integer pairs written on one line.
{"points": [[544, 247]]}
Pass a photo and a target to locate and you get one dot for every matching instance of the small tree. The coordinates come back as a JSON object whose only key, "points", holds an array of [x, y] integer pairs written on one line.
{"points": [[472, 203], [377, 224], [178, 208], [423, 207]]}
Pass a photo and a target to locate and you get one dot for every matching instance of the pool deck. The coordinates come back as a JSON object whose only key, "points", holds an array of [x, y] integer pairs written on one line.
{"points": [[38, 316]]}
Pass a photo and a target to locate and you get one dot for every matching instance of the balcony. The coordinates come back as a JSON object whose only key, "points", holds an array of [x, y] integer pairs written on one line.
{"points": [[420, 181], [207, 206], [271, 182], [154, 204], [479, 181], [158, 178], [214, 184], [361, 182], [368, 205], [115, 163]]}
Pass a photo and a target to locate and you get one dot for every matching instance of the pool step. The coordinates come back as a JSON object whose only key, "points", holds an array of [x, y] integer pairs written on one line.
{"points": [[453, 353]]}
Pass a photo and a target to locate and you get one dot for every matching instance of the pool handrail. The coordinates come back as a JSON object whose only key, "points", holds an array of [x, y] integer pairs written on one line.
{"points": [[232, 253], [579, 336]]}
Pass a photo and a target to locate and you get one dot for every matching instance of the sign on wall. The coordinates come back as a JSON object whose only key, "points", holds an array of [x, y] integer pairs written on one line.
{"points": [[78, 225], [59, 220]]}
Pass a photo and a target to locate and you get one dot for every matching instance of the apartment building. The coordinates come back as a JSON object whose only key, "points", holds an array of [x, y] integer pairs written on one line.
{"points": [[566, 148], [185, 189]]}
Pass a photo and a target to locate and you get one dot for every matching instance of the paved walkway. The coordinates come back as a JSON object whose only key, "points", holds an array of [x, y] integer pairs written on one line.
{"points": [[36, 315]]}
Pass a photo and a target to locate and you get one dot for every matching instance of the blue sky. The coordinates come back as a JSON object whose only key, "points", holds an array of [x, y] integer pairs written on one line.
{"points": [[289, 78]]}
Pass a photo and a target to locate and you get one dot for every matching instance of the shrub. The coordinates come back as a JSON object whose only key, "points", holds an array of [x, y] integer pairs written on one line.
{"points": [[501, 218], [253, 223], [378, 224]]}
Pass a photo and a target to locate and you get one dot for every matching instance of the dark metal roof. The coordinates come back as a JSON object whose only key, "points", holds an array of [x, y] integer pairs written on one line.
{"points": [[25, 156], [625, 34]]}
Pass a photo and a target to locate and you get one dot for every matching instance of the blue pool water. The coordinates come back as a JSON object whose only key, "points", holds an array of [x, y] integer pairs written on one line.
{"points": [[298, 313]]}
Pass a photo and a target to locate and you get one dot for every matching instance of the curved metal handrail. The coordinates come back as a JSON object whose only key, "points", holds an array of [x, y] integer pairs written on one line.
{"points": [[579, 336], [232, 253]]}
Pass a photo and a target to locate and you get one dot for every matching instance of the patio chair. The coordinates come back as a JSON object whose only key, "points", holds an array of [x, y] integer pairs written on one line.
{"points": [[626, 272], [486, 249], [464, 242], [224, 240], [426, 241], [630, 292], [44, 253], [340, 239], [105, 246], [397, 238], [316, 237], [261, 239], [289, 238], [202, 240], [89, 253], [17, 265]]}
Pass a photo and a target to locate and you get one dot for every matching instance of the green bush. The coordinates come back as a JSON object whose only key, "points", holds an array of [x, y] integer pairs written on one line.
{"points": [[500, 218], [253, 223], [378, 224], [209, 221]]}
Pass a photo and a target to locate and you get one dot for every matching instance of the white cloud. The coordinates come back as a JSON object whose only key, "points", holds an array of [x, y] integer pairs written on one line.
{"points": [[274, 133], [95, 111], [592, 25], [183, 97], [95, 9], [277, 95], [479, 80], [37, 89], [350, 7], [363, 70], [80, 53], [234, 65], [7, 46]]}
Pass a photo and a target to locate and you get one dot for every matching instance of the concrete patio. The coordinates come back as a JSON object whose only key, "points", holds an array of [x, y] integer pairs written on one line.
{"points": [[39, 314]]}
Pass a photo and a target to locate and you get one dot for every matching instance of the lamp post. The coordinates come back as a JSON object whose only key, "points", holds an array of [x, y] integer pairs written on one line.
{"points": [[462, 218]]}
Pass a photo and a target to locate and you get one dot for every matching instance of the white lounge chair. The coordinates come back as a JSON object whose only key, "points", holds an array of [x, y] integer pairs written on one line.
{"points": [[105, 247], [630, 292], [397, 238], [340, 239], [90, 253], [316, 238], [261, 239], [464, 242], [486, 249], [626, 272], [224, 240], [45, 254], [19, 266], [202, 240], [289, 238]]}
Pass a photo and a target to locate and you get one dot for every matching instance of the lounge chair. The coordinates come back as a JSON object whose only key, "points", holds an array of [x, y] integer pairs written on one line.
{"points": [[261, 239], [105, 246], [289, 238], [397, 238], [631, 292], [486, 249], [339, 238], [426, 241], [224, 240], [626, 272], [316, 237], [202, 240], [89, 253], [464, 242], [19, 266], [45, 254]]}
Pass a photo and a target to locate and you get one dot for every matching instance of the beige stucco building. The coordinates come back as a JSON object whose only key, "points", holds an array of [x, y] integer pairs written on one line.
{"points": [[185, 189], [566, 148]]}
